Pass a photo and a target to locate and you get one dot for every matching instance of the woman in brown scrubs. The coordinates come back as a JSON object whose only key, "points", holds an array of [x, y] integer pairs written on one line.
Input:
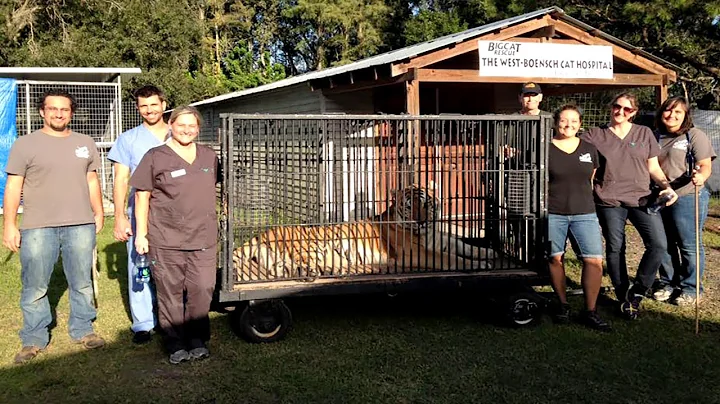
{"points": [[177, 228], [628, 162]]}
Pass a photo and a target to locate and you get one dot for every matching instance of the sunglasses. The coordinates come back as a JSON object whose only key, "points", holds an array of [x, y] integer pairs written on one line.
{"points": [[625, 110]]}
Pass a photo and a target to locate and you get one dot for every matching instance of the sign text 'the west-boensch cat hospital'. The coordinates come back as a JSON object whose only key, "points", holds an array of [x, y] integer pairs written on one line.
{"points": [[519, 59]]}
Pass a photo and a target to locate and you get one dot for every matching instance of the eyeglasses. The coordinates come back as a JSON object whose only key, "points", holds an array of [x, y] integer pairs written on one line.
{"points": [[625, 110]]}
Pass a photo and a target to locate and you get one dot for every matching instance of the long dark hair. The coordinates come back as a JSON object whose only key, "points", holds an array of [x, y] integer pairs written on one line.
{"points": [[669, 104]]}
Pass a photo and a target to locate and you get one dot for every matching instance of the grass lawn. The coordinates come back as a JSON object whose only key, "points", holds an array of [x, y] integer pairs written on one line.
{"points": [[369, 349]]}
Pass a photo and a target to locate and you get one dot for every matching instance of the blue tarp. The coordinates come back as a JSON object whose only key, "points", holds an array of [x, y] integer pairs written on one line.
{"points": [[8, 130]]}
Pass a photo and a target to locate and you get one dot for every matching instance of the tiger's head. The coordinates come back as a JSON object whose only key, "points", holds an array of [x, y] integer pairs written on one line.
{"points": [[415, 207]]}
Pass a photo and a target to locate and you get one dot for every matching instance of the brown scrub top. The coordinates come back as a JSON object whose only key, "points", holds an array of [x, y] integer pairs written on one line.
{"points": [[182, 198], [623, 178]]}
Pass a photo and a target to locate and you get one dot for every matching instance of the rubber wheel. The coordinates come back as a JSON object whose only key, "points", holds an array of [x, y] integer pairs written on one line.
{"points": [[523, 309], [262, 322]]}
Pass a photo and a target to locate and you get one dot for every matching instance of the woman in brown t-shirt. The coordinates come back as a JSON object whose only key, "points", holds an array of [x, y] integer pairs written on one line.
{"points": [[686, 155], [177, 228], [628, 161]]}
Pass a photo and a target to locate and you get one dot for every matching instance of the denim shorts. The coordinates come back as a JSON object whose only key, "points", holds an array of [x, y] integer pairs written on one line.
{"points": [[583, 231]]}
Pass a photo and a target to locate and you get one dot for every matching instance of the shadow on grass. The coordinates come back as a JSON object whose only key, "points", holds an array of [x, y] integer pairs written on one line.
{"points": [[410, 349], [116, 266]]}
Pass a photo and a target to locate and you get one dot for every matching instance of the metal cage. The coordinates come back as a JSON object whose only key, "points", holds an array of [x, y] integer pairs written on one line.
{"points": [[316, 201]]}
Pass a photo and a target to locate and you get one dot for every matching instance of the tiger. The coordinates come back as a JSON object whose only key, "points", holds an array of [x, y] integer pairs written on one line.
{"points": [[404, 236]]}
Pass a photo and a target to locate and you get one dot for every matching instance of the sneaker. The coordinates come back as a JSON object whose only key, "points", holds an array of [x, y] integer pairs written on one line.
{"points": [[591, 319], [663, 294], [142, 337], [179, 356], [631, 307], [686, 300], [199, 353], [91, 341], [27, 353], [561, 314]]}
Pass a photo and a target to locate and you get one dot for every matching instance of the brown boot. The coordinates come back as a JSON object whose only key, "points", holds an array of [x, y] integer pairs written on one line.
{"points": [[27, 353], [91, 341]]}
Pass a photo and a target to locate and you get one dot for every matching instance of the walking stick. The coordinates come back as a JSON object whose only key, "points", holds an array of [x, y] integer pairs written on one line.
{"points": [[94, 273], [697, 259]]}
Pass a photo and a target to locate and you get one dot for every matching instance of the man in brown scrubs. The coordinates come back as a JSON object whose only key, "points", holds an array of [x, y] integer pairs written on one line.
{"points": [[177, 223]]}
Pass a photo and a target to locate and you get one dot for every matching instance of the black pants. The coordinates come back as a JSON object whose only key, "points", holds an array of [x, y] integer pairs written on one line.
{"points": [[650, 227], [184, 283]]}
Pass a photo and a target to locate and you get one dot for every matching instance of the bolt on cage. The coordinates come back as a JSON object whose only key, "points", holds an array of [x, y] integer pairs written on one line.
{"points": [[327, 199]]}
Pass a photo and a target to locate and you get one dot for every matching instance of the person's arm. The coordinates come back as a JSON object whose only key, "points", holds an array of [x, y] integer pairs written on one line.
{"points": [[142, 208], [11, 203], [658, 176], [123, 228], [704, 172], [96, 200]]}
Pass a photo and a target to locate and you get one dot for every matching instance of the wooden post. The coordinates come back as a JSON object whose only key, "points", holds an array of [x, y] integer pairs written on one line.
{"points": [[412, 107], [661, 91]]}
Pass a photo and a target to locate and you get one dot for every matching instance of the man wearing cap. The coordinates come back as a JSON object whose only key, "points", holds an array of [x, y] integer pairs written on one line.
{"points": [[530, 98]]}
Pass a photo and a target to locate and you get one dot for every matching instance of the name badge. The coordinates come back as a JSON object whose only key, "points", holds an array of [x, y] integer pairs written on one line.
{"points": [[178, 173]]}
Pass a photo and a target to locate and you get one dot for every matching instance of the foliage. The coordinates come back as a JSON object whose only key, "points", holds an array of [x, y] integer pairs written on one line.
{"points": [[201, 48]]}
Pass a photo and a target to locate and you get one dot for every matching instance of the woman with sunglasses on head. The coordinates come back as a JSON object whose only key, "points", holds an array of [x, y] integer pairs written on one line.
{"points": [[686, 156], [571, 165], [628, 162]]}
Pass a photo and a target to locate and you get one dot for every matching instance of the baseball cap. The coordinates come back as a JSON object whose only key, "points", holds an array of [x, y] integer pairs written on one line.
{"points": [[531, 88]]}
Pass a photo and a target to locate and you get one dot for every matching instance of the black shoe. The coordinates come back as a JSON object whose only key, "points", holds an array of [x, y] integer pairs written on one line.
{"points": [[561, 314], [631, 306], [142, 337], [591, 319]]}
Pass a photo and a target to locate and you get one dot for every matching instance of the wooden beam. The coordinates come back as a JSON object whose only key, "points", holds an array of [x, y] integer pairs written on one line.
{"points": [[363, 85], [564, 41], [472, 76], [470, 45], [619, 52]]}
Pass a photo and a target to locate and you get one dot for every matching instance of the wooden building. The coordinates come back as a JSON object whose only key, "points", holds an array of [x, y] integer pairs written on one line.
{"points": [[441, 76]]}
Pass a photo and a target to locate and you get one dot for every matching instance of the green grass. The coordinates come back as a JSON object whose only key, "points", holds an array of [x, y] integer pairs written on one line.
{"points": [[366, 349]]}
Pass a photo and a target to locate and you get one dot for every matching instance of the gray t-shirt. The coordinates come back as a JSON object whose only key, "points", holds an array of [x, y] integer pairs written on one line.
{"points": [[673, 154], [55, 189], [623, 178]]}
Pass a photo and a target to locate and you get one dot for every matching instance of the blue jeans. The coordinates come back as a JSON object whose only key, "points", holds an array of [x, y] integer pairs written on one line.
{"points": [[650, 227], [583, 231], [140, 295], [678, 268], [39, 251]]}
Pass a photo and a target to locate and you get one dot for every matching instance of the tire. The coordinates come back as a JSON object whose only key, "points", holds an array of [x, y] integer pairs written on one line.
{"points": [[523, 309], [262, 322]]}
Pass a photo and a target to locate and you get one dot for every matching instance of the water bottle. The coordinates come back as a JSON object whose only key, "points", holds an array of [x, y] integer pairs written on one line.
{"points": [[659, 203], [142, 263]]}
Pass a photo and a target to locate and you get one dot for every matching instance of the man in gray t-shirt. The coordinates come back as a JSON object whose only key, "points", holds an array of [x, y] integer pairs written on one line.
{"points": [[54, 169]]}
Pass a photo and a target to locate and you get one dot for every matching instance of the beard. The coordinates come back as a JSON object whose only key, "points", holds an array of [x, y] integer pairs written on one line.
{"points": [[57, 127]]}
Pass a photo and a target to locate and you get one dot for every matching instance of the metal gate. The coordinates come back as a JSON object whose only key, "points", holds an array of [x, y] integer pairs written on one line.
{"points": [[338, 198]]}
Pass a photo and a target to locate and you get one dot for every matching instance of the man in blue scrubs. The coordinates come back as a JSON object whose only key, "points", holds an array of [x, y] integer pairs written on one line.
{"points": [[126, 154]]}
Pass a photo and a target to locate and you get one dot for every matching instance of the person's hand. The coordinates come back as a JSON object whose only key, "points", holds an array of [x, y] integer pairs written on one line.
{"points": [[673, 195], [697, 178], [141, 245], [123, 229], [11, 238], [99, 222]]}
